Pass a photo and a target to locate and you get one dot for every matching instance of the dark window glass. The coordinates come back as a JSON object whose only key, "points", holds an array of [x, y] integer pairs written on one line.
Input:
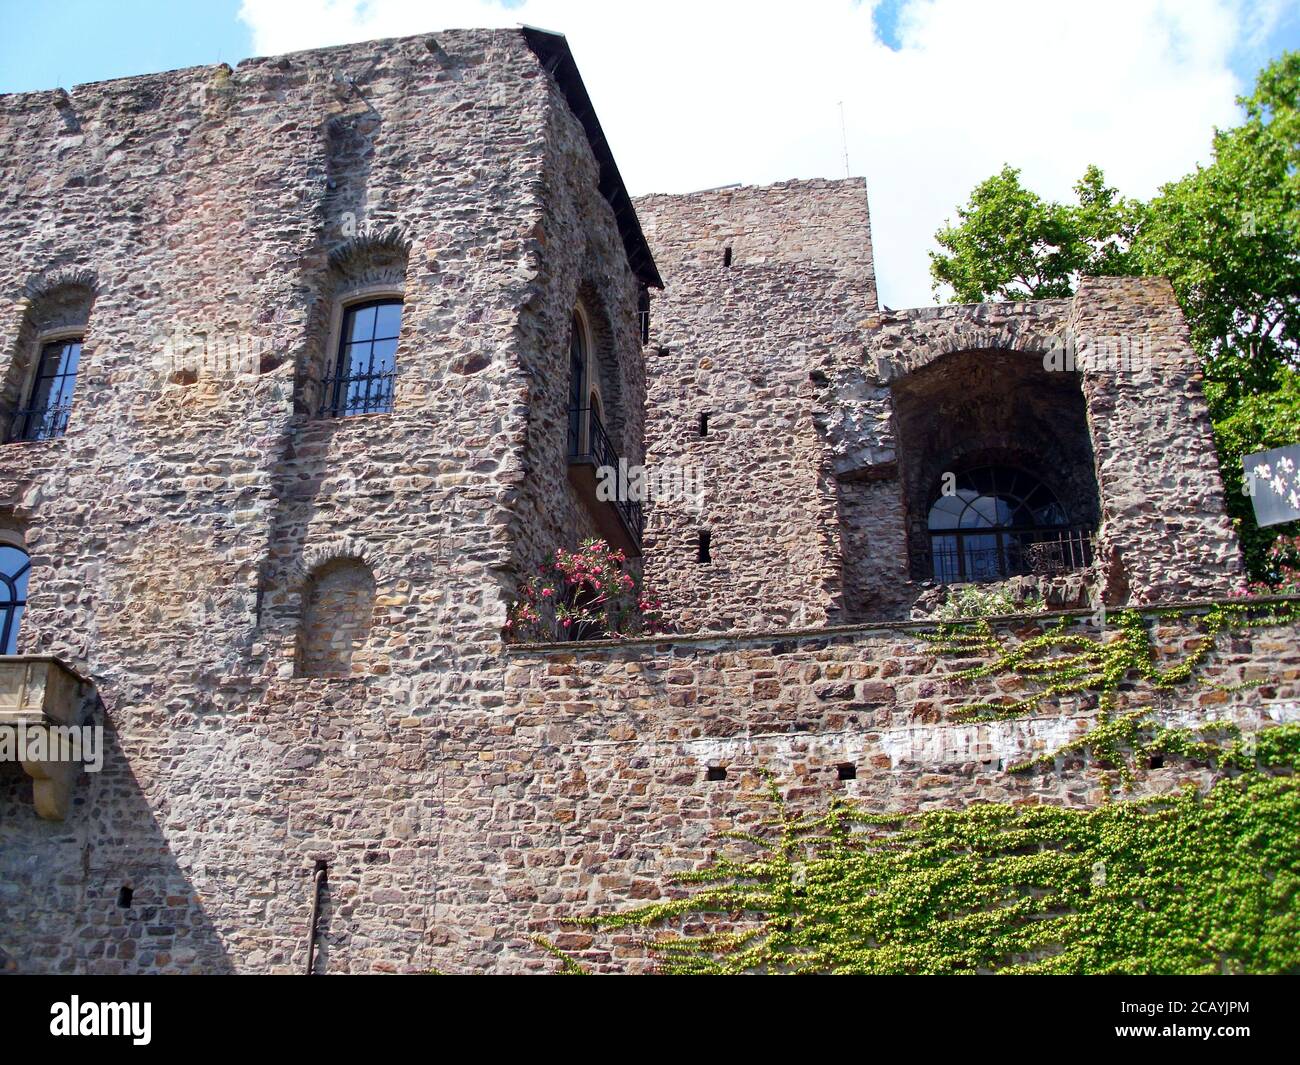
{"points": [[367, 362], [643, 314], [50, 402], [14, 570], [996, 522], [577, 384]]}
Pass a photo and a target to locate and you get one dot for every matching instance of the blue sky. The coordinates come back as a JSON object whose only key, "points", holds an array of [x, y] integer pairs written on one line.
{"points": [[67, 42], [937, 94]]}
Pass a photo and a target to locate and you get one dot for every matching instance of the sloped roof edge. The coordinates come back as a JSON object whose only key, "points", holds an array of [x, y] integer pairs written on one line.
{"points": [[552, 49]]}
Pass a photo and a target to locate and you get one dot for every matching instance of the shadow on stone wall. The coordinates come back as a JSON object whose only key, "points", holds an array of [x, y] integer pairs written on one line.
{"points": [[101, 892]]}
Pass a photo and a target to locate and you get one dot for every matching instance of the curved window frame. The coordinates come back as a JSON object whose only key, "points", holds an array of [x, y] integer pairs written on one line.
{"points": [[584, 383], [989, 541], [377, 387], [13, 594]]}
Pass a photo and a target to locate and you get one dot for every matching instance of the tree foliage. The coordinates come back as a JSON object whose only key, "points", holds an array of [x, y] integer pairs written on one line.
{"points": [[1011, 244], [1228, 238], [1192, 883]]}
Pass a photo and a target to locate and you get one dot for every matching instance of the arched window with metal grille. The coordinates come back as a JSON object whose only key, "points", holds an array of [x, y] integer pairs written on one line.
{"points": [[15, 567], [577, 384], [993, 522]]}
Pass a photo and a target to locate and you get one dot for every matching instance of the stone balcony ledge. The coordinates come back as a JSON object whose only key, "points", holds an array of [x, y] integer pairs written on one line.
{"points": [[39, 693]]}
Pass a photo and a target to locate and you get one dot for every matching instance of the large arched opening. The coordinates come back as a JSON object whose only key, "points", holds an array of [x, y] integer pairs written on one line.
{"points": [[997, 468]]}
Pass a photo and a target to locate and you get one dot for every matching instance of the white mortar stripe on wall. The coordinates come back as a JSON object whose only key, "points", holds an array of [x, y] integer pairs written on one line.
{"points": [[1017, 740]]}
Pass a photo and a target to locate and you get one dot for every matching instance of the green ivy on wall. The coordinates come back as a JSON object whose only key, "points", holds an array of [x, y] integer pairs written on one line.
{"points": [[1063, 661], [1193, 883]]}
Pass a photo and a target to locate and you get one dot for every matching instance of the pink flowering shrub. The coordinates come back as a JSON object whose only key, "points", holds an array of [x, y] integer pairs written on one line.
{"points": [[1283, 570], [585, 594]]}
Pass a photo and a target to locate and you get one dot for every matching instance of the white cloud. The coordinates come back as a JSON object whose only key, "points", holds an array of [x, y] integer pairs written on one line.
{"points": [[695, 94]]}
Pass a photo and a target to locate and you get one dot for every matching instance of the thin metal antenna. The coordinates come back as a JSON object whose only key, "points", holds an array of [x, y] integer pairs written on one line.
{"points": [[844, 138]]}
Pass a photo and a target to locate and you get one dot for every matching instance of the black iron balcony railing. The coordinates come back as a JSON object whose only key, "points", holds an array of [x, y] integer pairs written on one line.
{"points": [[370, 393], [962, 555], [41, 423], [588, 442]]}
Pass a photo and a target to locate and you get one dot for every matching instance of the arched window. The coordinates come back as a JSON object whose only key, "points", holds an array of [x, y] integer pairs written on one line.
{"points": [[337, 607], [15, 567], [367, 359], [985, 524], [44, 416], [577, 383]]}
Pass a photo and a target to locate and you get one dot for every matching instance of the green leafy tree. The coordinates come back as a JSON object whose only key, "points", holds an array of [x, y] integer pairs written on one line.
{"points": [[1228, 238], [1011, 244]]}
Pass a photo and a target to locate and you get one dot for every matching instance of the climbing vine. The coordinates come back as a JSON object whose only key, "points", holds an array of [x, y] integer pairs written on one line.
{"points": [[1191, 883], [1065, 661]]}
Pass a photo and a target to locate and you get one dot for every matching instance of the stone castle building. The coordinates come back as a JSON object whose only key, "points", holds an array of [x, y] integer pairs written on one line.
{"points": [[307, 362]]}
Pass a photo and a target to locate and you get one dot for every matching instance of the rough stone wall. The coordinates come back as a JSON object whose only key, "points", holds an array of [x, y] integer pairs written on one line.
{"points": [[939, 386], [819, 222], [218, 216], [831, 422], [585, 264], [1165, 533], [336, 618], [622, 794], [573, 778], [740, 344]]}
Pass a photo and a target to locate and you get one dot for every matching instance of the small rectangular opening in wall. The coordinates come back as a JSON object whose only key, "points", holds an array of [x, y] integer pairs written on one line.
{"points": [[716, 772], [704, 423], [1157, 761], [848, 771], [124, 896], [704, 548], [726, 256]]}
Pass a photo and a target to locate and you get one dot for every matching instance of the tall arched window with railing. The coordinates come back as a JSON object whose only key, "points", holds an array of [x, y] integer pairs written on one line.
{"points": [[993, 522], [592, 452], [577, 383], [15, 567]]}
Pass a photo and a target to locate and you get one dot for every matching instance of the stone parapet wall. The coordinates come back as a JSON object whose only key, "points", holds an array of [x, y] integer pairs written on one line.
{"points": [[818, 222], [462, 808]]}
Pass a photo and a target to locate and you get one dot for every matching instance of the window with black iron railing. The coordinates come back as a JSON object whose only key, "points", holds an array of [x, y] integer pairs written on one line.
{"points": [[995, 522], [49, 403], [366, 368], [589, 441], [990, 555]]}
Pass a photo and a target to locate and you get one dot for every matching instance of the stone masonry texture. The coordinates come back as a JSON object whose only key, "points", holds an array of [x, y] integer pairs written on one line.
{"points": [[292, 623]]}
